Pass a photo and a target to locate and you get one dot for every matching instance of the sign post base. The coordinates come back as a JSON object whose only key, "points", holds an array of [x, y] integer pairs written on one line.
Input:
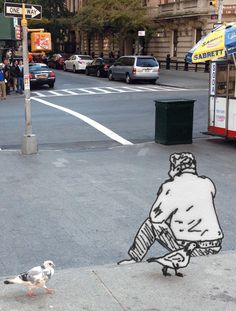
{"points": [[29, 145]]}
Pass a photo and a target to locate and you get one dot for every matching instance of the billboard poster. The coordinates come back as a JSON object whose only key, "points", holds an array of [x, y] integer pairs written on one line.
{"points": [[41, 41]]}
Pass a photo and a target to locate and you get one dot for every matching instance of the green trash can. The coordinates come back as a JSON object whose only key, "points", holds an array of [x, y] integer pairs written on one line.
{"points": [[174, 121]]}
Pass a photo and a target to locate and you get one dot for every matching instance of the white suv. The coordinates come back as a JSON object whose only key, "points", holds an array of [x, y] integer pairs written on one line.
{"points": [[130, 68], [77, 62]]}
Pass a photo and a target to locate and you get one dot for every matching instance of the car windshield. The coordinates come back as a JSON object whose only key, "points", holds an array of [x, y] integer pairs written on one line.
{"points": [[108, 61], [146, 62], [38, 67]]}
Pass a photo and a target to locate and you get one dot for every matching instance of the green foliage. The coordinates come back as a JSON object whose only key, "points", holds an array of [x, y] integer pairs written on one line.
{"points": [[14, 1], [54, 18], [52, 9], [121, 18]]}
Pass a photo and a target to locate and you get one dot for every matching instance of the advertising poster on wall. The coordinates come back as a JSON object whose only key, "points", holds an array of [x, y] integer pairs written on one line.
{"points": [[41, 41]]}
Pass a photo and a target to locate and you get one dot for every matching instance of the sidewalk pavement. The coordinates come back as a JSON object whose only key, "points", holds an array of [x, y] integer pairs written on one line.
{"points": [[184, 79], [208, 284]]}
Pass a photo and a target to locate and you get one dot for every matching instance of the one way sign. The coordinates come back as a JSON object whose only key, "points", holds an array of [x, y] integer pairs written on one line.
{"points": [[15, 10]]}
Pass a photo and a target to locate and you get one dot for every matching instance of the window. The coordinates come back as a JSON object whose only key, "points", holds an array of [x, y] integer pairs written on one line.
{"points": [[146, 62], [175, 42], [98, 62], [128, 61], [198, 34]]}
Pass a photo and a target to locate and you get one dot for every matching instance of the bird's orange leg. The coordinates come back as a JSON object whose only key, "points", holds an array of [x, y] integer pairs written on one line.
{"points": [[50, 290], [30, 293]]}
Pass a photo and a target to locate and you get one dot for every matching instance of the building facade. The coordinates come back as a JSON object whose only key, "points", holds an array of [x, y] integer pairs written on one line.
{"points": [[179, 25]]}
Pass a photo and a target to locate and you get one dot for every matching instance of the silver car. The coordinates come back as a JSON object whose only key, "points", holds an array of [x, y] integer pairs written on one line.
{"points": [[130, 68]]}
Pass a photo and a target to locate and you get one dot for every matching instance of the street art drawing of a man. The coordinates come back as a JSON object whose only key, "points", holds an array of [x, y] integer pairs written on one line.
{"points": [[182, 214]]}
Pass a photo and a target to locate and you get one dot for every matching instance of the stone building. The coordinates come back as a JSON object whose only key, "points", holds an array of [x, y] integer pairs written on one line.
{"points": [[182, 23], [179, 25]]}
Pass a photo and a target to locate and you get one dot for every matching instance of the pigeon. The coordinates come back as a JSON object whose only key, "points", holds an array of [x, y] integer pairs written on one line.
{"points": [[36, 277], [176, 259]]}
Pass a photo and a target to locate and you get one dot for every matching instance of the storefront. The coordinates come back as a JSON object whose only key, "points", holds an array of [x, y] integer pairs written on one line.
{"points": [[8, 42], [222, 99]]}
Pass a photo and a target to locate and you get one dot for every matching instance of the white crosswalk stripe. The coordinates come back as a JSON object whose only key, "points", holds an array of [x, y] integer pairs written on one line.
{"points": [[132, 89], [86, 91], [39, 94], [106, 90], [102, 90], [116, 90], [55, 93], [70, 92]]}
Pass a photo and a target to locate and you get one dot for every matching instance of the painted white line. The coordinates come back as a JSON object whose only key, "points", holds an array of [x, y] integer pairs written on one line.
{"points": [[69, 92], [55, 93], [38, 94], [131, 89], [146, 88], [169, 88], [87, 91], [89, 121], [101, 90], [114, 89]]}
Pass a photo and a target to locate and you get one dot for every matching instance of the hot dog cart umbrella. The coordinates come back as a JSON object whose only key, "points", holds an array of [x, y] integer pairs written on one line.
{"points": [[219, 47]]}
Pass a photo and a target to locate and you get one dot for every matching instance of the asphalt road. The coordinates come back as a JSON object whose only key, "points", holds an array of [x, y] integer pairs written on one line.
{"points": [[127, 110]]}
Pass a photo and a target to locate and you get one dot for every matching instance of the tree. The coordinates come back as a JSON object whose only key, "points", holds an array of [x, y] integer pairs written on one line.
{"points": [[122, 19], [2, 4], [55, 19]]}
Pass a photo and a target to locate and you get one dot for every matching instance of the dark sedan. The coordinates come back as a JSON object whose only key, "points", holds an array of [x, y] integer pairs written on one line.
{"points": [[40, 74], [56, 61], [99, 67]]}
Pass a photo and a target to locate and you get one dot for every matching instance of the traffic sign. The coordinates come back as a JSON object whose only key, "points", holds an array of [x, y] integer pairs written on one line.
{"points": [[15, 10], [18, 32]]}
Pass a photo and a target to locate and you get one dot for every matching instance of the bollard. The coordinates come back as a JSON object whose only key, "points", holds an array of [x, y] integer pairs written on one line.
{"points": [[168, 59]]}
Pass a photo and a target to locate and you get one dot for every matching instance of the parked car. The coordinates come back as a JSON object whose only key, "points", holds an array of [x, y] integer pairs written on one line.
{"points": [[99, 67], [131, 68], [56, 61], [40, 74], [77, 62]]}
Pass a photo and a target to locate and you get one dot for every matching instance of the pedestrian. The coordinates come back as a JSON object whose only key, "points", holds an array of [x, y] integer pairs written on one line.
{"points": [[183, 212], [19, 74], [118, 54], [111, 54], [2, 82], [7, 75], [13, 74]]}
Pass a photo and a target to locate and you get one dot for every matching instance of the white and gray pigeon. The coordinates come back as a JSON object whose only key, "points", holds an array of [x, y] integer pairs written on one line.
{"points": [[36, 277], [176, 259]]}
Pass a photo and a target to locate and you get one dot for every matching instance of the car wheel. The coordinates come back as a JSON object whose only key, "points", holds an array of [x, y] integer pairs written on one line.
{"points": [[98, 73], [87, 71], [110, 76], [74, 69], [128, 79], [64, 67], [153, 81], [51, 85]]}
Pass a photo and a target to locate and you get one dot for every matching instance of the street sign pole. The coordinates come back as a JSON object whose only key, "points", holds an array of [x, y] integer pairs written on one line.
{"points": [[220, 11], [29, 145]]}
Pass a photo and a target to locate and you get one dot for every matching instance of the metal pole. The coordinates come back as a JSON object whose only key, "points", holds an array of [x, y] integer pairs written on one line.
{"points": [[29, 145], [220, 11]]}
